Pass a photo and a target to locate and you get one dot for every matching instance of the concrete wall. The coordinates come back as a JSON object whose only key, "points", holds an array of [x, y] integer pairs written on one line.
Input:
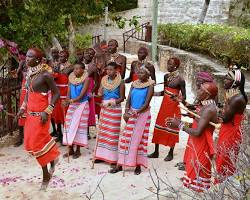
{"points": [[189, 11], [169, 11]]}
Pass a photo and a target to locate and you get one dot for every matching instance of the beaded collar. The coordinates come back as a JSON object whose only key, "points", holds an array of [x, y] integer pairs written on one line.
{"points": [[173, 75], [114, 56], [33, 72], [77, 80], [37, 69], [140, 64], [111, 84], [139, 84], [231, 92], [208, 102]]}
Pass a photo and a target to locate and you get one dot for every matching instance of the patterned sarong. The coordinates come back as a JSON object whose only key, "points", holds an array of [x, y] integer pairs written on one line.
{"points": [[228, 146], [76, 124], [108, 136], [92, 121], [134, 141], [169, 109], [37, 140], [198, 156]]}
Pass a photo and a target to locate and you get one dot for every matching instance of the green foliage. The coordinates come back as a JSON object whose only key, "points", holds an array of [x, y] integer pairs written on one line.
{"points": [[35, 22], [121, 5], [82, 41], [220, 41], [121, 21], [239, 11]]}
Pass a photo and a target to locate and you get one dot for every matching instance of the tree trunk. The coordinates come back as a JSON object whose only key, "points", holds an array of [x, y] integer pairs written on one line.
{"points": [[203, 12], [71, 36]]}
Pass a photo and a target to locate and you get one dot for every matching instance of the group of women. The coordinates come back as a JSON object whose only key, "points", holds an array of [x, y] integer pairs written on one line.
{"points": [[128, 147]]}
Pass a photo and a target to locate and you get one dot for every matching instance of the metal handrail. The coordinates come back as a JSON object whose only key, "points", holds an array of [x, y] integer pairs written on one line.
{"points": [[96, 39], [132, 34]]}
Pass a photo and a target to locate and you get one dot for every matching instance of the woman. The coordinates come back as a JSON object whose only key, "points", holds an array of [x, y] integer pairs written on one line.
{"points": [[140, 63], [199, 150], [112, 91], [76, 123], [37, 140], [174, 85], [133, 142], [230, 135], [60, 74]]}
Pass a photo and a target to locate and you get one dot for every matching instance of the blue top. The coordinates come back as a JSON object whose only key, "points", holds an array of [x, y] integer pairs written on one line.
{"points": [[75, 91], [138, 97], [111, 94]]}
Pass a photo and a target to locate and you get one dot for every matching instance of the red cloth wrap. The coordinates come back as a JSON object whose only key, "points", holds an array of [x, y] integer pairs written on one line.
{"points": [[59, 111], [198, 155], [228, 146], [169, 108], [37, 140]]}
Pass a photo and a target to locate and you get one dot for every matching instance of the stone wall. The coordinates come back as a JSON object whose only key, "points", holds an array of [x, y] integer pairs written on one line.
{"points": [[190, 64], [169, 11], [189, 11], [239, 13]]}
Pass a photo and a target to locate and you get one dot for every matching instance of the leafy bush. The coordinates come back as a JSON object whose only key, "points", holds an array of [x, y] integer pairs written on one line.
{"points": [[226, 43], [82, 41]]}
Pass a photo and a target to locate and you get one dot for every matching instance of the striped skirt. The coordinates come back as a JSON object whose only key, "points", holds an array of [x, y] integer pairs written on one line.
{"points": [[76, 124], [108, 136], [134, 141]]}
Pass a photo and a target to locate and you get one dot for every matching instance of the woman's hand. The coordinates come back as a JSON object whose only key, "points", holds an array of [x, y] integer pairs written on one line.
{"points": [[66, 102], [20, 113], [44, 117], [172, 122], [126, 116]]}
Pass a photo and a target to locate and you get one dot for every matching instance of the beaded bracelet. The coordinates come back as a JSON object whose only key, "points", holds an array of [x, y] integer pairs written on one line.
{"points": [[49, 109]]}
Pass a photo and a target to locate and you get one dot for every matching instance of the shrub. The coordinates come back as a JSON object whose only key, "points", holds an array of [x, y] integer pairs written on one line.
{"points": [[226, 43], [82, 41]]}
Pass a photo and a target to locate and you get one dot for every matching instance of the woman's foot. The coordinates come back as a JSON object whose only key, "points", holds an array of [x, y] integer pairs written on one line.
{"points": [[179, 164], [181, 167], [54, 134], [115, 170], [98, 161], [53, 166], [154, 155], [70, 153], [77, 154], [137, 170], [169, 157], [45, 183]]}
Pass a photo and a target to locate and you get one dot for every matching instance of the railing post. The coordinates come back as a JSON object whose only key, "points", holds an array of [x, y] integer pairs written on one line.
{"points": [[124, 44], [154, 31]]}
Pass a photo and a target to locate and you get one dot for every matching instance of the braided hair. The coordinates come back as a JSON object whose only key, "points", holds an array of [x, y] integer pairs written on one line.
{"points": [[242, 87], [239, 81]]}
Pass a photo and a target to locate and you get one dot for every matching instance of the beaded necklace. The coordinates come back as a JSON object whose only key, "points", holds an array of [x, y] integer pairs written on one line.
{"points": [[231, 92], [139, 84], [77, 80], [208, 102], [114, 56], [173, 75], [109, 84]]}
